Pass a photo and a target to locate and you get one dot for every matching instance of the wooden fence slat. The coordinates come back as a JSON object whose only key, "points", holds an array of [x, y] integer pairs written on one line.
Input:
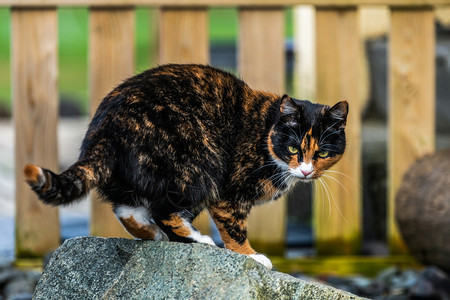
{"points": [[217, 3], [262, 66], [111, 60], [305, 52], [337, 213], [184, 35], [35, 100], [412, 100], [184, 39]]}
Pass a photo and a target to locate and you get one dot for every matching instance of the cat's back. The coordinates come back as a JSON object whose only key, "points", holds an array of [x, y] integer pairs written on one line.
{"points": [[187, 81], [183, 102], [175, 90], [193, 71], [171, 94]]}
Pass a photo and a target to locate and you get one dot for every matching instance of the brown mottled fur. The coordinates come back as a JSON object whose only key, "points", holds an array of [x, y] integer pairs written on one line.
{"points": [[135, 228], [173, 140]]}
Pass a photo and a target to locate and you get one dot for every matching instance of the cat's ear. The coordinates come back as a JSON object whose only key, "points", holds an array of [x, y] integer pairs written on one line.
{"points": [[288, 106], [339, 113]]}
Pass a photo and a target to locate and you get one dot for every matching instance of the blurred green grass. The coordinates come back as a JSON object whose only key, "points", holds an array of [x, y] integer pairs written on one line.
{"points": [[73, 47], [5, 89]]}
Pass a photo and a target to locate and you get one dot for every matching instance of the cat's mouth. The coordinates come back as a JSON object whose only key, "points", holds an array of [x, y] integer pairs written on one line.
{"points": [[305, 172], [304, 178]]}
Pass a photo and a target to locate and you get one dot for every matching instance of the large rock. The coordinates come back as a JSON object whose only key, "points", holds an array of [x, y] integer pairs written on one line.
{"points": [[100, 268], [423, 209]]}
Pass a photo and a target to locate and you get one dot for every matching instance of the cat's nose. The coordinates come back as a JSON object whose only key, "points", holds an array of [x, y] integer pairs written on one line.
{"points": [[306, 168], [306, 172]]}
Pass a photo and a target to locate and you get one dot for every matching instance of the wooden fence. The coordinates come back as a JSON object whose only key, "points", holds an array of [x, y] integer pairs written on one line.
{"points": [[183, 34]]}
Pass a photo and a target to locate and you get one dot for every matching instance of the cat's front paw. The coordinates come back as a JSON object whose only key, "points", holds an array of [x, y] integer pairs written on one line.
{"points": [[206, 240], [262, 259]]}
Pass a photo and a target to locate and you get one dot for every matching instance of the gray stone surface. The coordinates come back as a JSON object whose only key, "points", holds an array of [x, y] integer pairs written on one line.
{"points": [[100, 268]]}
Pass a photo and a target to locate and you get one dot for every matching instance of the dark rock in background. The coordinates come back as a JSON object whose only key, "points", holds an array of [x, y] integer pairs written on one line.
{"points": [[423, 209], [432, 283], [393, 284], [17, 284]]}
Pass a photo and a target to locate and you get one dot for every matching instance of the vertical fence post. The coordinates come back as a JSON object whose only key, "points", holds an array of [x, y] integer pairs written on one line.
{"points": [[262, 65], [184, 35], [35, 99], [111, 60], [411, 100], [184, 39], [337, 208], [305, 51]]}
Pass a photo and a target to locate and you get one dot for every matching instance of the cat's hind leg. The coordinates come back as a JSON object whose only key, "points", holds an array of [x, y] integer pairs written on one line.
{"points": [[179, 228], [139, 223]]}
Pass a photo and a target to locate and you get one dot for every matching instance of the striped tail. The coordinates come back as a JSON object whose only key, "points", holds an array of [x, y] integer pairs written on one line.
{"points": [[71, 185]]}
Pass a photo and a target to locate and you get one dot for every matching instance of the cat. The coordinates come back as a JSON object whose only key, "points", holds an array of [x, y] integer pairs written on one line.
{"points": [[176, 139]]}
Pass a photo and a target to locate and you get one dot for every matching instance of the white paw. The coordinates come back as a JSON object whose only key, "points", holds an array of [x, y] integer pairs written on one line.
{"points": [[206, 240], [196, 236], [262, 259]]}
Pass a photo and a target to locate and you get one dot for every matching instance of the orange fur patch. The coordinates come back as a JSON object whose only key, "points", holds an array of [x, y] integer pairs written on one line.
{"points": [[323, 164], [148, 123], [177, 225], [220, 213], [268, 190], [138, 230], [89, 173], [231, 243], [32, 174], [294, 163], [309, 147]]}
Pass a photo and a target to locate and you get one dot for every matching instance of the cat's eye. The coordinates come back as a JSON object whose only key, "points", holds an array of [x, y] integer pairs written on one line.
{"points": [[323, 154], [293, 150]]}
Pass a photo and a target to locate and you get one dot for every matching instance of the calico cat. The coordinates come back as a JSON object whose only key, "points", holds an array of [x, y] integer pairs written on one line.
{"points": [[176, 139]]}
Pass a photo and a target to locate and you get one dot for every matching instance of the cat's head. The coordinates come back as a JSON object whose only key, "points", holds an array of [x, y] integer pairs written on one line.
{"points": [[308, 138]]}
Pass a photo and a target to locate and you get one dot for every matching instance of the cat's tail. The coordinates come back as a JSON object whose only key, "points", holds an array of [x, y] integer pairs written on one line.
{"points": [[64, 188]]}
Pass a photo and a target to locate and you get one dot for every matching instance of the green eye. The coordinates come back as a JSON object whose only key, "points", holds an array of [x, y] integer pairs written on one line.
{"points": [[293, 150], [323, 154]]}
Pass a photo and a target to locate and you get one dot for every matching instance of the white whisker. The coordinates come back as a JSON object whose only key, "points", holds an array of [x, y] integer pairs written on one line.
{"points": [[343, 174], [331, 177], [328, 193], [322, 194], [275, 179], [335, 203]]}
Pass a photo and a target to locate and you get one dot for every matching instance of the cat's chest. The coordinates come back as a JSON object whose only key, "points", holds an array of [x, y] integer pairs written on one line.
{"points": [[271, 190]]}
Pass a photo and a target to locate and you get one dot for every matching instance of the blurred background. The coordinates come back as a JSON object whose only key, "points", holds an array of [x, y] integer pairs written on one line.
{"points": [[349, 45]]}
